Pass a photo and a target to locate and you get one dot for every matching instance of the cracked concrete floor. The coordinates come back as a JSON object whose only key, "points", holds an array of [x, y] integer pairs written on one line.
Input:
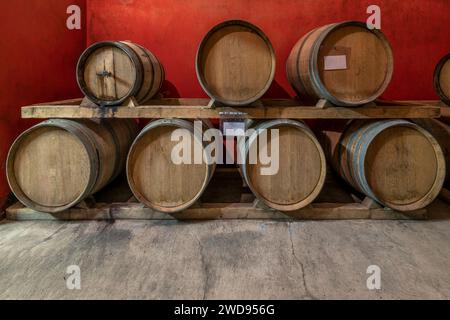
{"points": [[225, 259]]}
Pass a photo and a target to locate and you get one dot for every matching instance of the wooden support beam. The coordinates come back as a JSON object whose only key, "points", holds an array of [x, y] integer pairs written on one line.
{"points": [[198, 108], [213, 211]]}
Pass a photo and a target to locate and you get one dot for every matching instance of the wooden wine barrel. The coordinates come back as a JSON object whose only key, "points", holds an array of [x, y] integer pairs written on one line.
{"points": [[395, 162], [344, 63], [235, 63], [155, 179], [301, 171], [110, 72], [442, 79], [58, 163], [441, 132]]}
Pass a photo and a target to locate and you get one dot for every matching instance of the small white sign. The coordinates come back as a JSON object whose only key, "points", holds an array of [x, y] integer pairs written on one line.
{"points": [[234, 128], [335, 62]]}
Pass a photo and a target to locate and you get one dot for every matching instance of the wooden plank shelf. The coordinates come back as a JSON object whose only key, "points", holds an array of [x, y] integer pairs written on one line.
{"points": [[216, 211], [202, 108], [226, 198], [445, 110]]}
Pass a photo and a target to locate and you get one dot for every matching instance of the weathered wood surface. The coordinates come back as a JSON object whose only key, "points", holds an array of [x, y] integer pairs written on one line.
{"points": [[363, 73], [445, 111], [226, 198], [445, 195], [155, 179], [441, 132], [199, 108], [235, 63], [404, 167], [302, 169], [224, 211], [434, 103], [58, 163], [110, 72]]}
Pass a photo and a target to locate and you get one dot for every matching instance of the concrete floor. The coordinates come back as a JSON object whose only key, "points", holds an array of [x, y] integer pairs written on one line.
{"points": [[225, 259]]}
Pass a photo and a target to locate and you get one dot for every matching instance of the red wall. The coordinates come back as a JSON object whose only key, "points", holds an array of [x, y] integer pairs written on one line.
{"points": [[37, 63], [417, 29]]}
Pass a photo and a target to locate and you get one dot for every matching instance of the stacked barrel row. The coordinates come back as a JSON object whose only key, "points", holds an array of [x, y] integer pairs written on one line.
{"points": [[344, 63], [58, 163]]}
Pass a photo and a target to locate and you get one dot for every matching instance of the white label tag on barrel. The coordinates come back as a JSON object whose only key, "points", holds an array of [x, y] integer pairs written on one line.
{"points": [[234, 128], [335, 62]]}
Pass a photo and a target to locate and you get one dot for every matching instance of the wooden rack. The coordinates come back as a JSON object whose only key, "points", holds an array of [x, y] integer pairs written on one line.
{"points": [[205, 109], [115, 202], [244, 205]]}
